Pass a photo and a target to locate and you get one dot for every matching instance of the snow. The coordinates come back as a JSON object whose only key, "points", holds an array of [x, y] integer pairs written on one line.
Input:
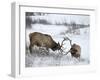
{"points": [[55, 58]]}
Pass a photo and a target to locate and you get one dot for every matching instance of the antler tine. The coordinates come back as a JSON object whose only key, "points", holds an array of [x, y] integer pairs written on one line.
{"points": [[67, 38], [63, 42]]}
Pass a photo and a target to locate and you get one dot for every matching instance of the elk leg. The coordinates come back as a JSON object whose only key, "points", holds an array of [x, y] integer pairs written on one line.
{"points": [[30, 48], [42, 50], [47, 51], [79, 59]]}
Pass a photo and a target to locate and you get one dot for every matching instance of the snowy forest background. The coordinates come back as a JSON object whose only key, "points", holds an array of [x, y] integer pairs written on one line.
{"points": [[76, 27]]}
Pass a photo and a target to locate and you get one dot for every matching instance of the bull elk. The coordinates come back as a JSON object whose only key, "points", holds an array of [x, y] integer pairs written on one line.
{"points": [[43, 40], [75, 49]]}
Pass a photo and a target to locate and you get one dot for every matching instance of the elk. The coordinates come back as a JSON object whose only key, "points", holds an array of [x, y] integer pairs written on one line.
{"points": [[43, 40], [75, 49]]}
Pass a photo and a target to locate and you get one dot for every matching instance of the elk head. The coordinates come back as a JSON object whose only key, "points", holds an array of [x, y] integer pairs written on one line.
{"points": [[60, 46]]}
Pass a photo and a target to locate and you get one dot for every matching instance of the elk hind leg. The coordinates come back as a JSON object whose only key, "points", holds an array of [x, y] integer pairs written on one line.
{"points": [[30, 48]]}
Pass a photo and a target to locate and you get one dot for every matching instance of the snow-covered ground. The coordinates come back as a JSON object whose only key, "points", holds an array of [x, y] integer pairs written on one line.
{"points": [[55, 58]]}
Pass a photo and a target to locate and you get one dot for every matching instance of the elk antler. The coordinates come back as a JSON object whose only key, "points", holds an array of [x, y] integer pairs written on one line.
{"points": [[69, 41], [66, 38], [63, 42]]}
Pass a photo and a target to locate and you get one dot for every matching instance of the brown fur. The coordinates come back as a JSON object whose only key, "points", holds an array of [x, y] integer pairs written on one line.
{"points": [[42, 40], [75, 51]]}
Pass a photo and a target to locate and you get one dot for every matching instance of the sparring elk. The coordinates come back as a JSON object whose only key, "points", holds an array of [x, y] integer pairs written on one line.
{"points": [[75, 49], [43, 40]]}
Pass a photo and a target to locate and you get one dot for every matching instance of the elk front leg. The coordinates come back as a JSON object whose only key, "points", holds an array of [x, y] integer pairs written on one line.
{"points": [[47, 52], [44, 50]]}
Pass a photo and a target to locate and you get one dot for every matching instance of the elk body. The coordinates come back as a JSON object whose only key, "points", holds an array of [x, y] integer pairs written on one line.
{"points": [[43, 40]]}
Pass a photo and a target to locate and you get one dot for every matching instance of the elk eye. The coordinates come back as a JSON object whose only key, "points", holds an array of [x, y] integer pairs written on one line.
{"points": [[75, 50]]}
